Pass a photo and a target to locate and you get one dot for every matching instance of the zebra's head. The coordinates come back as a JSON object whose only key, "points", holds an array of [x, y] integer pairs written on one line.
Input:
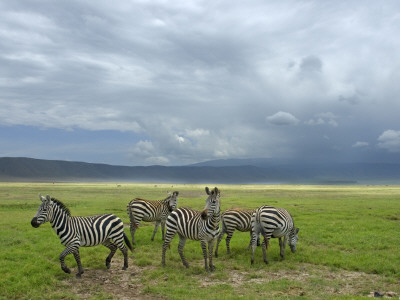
{"points": [[42, 214], [212, 204], [173, 201], [293, 237]]}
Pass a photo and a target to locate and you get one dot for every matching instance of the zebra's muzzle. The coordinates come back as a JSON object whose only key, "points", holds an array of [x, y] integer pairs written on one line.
{"points": [[35, 223]]}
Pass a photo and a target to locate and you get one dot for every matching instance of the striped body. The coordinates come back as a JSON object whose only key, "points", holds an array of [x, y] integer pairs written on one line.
{"points": [[231, 220], [272, 222], [76, 232], [195, 225], [149, 211]]}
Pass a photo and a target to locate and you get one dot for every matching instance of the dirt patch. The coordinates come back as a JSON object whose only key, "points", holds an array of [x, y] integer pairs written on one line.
{"points": [[120, 284], [306, 278], [335, 282]]}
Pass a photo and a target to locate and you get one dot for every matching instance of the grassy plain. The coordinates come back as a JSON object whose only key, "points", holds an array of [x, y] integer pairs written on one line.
{"points": [[349, 245]]}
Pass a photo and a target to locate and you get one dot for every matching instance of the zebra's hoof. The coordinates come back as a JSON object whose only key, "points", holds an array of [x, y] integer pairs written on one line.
{"points": [[124, 268], [266, 262], [66, 270], [78, 276], [212, 268]]}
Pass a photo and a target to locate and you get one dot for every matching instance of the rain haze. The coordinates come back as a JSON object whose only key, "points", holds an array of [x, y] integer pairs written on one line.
{"points": [[180, 82]]}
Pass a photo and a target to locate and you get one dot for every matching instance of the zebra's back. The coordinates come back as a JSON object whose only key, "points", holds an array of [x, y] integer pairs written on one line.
{"points": [[274, 222], [237, 219], [146, 210], [186, 222], [94, 230]]}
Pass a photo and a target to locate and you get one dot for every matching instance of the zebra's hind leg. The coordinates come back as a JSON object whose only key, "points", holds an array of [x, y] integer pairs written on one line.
{"points": [[133, 227], [264, 248], [168, 238], [113, 248], [221, 235], [182, 241], [228, 241], [125, 253], [155, 230]]}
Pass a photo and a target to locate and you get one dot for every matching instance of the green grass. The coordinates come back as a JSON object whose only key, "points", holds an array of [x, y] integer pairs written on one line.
{"points": [[349, 245]]}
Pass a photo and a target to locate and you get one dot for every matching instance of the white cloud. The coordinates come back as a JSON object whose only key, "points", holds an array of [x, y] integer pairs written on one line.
{"points": [[390, 140], [360, 144], [157, 160], [283, 118]]}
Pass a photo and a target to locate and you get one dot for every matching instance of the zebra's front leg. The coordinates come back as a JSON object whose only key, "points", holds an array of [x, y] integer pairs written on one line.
{"points": [[210, 254], [163, 229], [62, 258], [155, 230], [282, 246], [205, 254], [182, 242], [253, 245], [78, 262]]}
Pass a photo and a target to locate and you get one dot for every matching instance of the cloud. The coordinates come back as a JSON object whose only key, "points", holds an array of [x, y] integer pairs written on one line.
{"points": [[322, 119], [360, 144], [184, 82], [283, 118], [390, 140], [311, 64]]}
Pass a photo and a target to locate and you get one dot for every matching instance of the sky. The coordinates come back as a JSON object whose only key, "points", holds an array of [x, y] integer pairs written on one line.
{"points": [[179, 82]]}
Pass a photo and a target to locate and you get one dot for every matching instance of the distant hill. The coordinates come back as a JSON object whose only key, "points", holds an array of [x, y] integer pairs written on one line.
{"points": [[219, 171]]}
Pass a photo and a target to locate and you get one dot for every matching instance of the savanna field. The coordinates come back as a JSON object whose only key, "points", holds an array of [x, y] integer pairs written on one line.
{"points": [[348, 248]]}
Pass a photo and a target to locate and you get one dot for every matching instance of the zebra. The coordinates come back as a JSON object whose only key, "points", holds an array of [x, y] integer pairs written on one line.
{"points": [[140, 209], [235, 219], [276, 223], [195, 225], [75, 232]]}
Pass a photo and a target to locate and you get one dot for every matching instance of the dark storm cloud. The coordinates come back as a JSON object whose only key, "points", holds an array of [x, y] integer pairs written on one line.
{"points": [[197, 80]]}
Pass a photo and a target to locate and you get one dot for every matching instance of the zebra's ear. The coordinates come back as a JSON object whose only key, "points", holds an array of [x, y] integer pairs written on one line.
{"points": [[207, 190], [41, 197], [176, 193], [216, 190], [297, 230], [48, 198]]}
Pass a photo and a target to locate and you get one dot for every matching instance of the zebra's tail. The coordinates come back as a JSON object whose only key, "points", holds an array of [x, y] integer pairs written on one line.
{"points": [[127, 242]]}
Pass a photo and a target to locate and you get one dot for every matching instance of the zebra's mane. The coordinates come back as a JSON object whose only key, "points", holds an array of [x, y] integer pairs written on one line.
{"points": [[62, 206]]}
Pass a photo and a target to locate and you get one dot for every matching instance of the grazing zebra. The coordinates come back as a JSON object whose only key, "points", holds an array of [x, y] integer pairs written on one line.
{"points": [[195, 225], [76, 232], [148, 211], [235, 219], [276, 223]]}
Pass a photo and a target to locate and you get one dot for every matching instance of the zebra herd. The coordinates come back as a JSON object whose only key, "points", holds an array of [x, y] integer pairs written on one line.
{"points": [[204, 226]]}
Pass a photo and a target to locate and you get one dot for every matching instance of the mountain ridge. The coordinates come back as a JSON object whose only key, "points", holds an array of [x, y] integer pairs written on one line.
{"points": [[235, 171]]}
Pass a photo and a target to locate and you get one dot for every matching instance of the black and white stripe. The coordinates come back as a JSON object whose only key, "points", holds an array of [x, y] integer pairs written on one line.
{"points": [[76, 232], [272, 222], [149, 211], [234, 219], [195, 225]]}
